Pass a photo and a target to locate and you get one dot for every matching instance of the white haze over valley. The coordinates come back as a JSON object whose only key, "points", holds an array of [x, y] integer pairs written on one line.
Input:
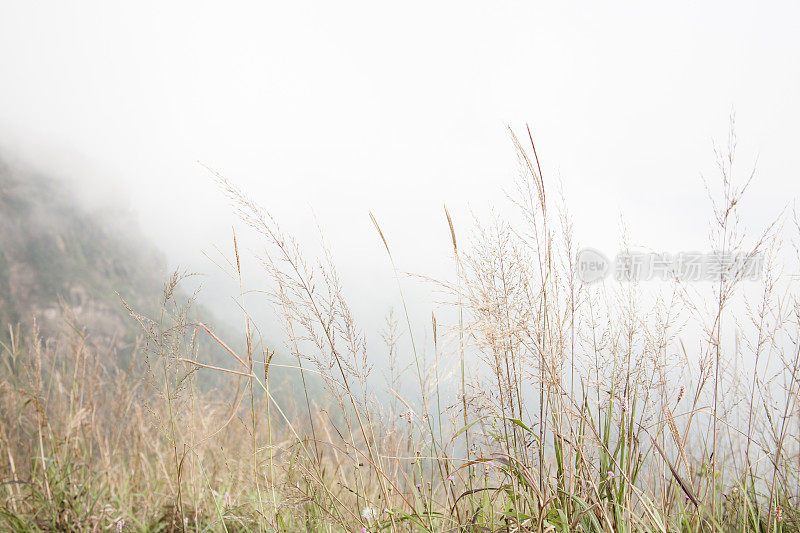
{"points": [[323, 112]]}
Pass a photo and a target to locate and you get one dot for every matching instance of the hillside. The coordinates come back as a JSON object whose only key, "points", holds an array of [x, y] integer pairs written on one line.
{"points": [[64, 265], [56, 255]]}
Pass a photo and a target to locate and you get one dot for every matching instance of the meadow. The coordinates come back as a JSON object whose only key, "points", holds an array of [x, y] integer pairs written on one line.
{"points": [[542, 403]]}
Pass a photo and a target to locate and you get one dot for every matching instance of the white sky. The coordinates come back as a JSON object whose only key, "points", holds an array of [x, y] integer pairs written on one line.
{"points": [[343, 107]]}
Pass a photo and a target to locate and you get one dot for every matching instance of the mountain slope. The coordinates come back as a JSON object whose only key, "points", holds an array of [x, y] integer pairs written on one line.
{"points": [[56, 255]]}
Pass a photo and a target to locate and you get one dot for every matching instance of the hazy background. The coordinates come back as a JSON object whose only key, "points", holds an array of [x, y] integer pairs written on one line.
{"points": [[324, 111]]}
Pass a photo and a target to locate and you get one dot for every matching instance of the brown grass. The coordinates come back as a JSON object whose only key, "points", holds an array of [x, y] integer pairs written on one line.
{"points": [[552, 414]]}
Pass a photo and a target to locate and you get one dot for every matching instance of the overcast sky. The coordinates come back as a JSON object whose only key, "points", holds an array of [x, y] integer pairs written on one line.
{"points": [[332, 109]]}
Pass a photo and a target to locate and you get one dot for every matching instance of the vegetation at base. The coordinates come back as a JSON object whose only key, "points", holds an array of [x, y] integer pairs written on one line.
{"points": [[540, 404]]}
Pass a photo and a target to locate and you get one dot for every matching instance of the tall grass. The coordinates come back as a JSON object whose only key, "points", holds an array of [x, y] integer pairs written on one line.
{"points": [[547, 404]]}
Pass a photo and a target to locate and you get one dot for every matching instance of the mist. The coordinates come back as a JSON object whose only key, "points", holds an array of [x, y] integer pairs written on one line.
{"points": [[323, 114], [439, 164]]}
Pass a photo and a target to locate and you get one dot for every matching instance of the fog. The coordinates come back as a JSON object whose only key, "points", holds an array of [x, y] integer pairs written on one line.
{"points": [[326, 111]]}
